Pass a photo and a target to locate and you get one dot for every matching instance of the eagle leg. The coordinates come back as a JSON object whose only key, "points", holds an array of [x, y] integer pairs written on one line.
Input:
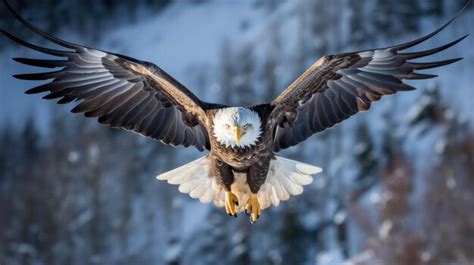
{"points": [[230, 202], [253, 208]]}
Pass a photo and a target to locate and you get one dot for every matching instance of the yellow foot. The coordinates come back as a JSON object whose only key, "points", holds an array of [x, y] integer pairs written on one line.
{"points": [[230, 202], [253, 208]]}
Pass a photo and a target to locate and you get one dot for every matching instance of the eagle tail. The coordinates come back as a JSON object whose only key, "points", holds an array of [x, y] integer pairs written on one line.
{"points": [[194, 178], [285, 177]]}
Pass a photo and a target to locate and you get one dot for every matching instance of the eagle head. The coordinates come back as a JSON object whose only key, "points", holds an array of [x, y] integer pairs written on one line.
{"points": [[237, 127]]}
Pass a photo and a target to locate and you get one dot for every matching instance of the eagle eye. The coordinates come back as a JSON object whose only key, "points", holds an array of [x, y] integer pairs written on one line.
{"points": [[247, 125]]}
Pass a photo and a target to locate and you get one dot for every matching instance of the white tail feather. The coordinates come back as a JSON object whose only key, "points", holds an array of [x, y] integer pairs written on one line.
{"points": [[285, 178]]}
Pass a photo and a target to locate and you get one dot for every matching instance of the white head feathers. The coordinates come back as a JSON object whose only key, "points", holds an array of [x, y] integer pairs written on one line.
{"points": [[243, 122]]}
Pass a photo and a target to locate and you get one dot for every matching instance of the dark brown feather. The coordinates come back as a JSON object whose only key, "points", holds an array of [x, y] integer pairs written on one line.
{"points": [[120, 91], [338, 86]]}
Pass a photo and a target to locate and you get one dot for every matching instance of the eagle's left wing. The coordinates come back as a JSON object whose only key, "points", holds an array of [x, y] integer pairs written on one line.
{"points": [[339, 86], [120, 91]]}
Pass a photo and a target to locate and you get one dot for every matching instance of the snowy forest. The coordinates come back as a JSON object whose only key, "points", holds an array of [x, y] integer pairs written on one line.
{"points": [[398, 180]]}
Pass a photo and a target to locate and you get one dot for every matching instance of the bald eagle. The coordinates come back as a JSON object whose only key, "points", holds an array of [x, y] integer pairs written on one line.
{"points": [[241, 171]]}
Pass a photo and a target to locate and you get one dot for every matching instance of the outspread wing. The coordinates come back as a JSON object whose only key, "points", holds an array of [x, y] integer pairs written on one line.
{"points": [[120, 91], [339, 86]]}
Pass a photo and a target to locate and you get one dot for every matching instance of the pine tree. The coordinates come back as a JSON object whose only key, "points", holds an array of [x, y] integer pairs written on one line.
{"points": [[364, 156], [395, 18], [390, 143], [269, 75], [228, 73], [8, 156], [244, 79], [9, 193], [88, 17], [434, 8], [319, 27], [359, 28], [294, 238], [27, 187], [303, 54], [30, 143], [94, 183], [128, 183]]}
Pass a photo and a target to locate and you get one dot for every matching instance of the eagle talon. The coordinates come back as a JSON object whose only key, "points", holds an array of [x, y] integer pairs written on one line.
{"points": [[230, 202], [253, 208]]}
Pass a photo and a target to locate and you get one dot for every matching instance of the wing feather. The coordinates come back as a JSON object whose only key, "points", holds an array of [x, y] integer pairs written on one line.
{"points": [[120, 91], [338, 86]]}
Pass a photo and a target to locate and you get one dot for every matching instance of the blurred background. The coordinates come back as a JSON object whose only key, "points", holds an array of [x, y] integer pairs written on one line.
{"points": [[398, 185]]}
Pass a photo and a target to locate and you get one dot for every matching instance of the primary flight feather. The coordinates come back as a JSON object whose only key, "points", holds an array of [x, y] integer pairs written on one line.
{"points": [[241, 171]]}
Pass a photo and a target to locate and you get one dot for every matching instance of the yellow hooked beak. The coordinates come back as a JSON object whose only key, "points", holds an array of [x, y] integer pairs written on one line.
{"points": [[237, 134]]}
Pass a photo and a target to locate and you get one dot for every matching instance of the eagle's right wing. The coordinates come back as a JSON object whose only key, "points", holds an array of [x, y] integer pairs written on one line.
{"points": [[121, 91], [339, 86]]}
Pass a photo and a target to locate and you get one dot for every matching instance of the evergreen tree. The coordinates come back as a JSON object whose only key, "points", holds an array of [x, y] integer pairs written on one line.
{"points": [[428, 107], [94, 184], [269, 5], [30, 143], [8, 156], [435, 8], [303, 55], [9, 193], [364, 156], [28, 187], [244, 80], [88, 17], [228, 73], [294, 238], [395, 18], [129, 186], [390, 142], [358, 26], [269, 75], [320, 27]]}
